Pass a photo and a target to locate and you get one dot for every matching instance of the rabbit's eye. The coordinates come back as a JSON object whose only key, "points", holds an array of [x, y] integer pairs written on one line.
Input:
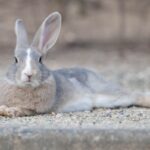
{"points": [[16, 60], [40, 60]]}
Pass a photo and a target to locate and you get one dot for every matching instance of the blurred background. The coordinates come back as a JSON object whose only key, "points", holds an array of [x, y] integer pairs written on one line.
{"points": [[109, 36]]}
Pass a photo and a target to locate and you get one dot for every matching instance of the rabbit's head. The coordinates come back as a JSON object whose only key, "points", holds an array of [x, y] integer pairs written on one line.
{"points": [[28, 69]]}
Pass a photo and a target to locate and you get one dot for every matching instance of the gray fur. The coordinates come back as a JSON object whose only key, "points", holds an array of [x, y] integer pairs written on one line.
{"points": [[22, 38], [31, 88]]}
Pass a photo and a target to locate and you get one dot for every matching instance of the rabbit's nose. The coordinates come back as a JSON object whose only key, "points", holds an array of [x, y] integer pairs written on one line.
{"points": [[29, 76]]}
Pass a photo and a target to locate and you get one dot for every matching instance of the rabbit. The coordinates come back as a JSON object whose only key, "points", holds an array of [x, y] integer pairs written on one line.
{"points": [[30, 88]]}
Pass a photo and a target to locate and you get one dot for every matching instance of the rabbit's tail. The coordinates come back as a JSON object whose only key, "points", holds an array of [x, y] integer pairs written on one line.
{"points": [[142, 99]]}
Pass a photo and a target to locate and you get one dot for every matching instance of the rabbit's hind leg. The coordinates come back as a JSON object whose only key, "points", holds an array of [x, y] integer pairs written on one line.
{"points": [[142, 100], [77, 104], [112, 101]]}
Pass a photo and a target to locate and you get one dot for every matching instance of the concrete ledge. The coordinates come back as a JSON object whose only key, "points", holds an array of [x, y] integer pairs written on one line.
{"points": [[102, 129], [74, 139]]}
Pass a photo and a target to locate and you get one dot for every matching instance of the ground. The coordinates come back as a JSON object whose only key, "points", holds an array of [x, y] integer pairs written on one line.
{"points": [[123, 118]]}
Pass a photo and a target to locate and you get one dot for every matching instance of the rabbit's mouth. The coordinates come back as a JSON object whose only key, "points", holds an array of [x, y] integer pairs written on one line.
{"points": [[28, 82], [31, 83]]}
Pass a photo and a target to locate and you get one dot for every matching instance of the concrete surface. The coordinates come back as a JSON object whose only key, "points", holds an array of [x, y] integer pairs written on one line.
{"points": [[102, 129], [76, 140]]}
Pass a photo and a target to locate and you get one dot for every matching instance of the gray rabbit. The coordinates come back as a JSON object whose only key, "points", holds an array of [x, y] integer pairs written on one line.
{"points": [[31, 88]]}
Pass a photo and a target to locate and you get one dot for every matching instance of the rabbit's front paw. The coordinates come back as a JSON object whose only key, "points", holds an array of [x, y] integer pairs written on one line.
{"points": [[10, 111]]}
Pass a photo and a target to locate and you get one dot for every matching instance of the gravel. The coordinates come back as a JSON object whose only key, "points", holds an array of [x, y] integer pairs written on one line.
{"points": [[123, 118]]}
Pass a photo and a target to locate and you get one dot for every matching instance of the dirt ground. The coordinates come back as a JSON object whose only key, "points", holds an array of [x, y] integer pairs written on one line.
{"points": [[124, 118], [128, 67]]}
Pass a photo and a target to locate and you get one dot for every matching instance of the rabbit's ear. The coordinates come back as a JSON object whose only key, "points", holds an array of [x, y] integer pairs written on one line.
{"points": [[48, 33], [21, 34]]}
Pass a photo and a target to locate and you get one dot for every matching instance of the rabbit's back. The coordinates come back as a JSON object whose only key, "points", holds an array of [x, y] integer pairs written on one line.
{"points": [[87, 79]]}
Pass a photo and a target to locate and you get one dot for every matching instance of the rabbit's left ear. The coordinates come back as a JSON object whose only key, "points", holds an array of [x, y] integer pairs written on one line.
{"points": [[48, 33]]}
